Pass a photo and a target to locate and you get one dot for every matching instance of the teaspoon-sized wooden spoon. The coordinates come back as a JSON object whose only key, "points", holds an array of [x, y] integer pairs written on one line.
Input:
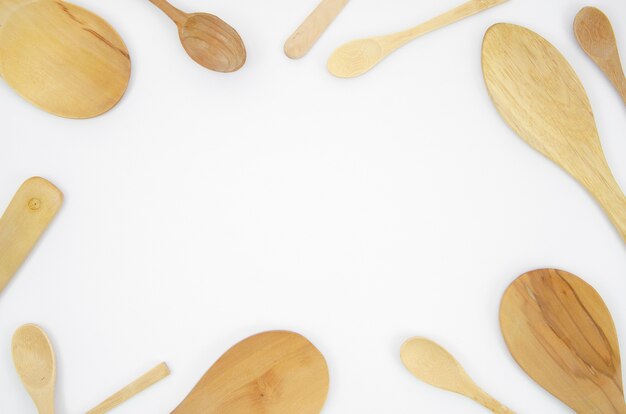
{"points": [[539, 95], [434, 365], [34, 361], [208, 40], [561, 333], [595, 35]]}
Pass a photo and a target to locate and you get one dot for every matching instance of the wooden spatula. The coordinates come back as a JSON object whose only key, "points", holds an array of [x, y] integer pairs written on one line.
{"points": [[539, 95], [30, 212], [275, 372], [561, 333]]}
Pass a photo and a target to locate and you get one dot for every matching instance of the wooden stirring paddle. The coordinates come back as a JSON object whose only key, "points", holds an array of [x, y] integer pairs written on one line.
{"points": [[275, 372], [561, 333], [539, 95], [434, 365], [595, 35]]}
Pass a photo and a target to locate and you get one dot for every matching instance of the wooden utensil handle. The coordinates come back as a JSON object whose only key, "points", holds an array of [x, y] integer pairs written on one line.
{"points": [[179, 17], [491, 403]]}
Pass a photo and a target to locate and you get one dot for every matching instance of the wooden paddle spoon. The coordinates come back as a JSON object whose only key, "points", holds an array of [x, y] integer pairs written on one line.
{"points": [[275, 372], [34, 361], [539, 95], [561, 333], [432, 364], [359, 56], [595, 35], [208, 40]]}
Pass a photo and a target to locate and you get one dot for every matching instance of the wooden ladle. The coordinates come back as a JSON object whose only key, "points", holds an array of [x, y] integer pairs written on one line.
{"points": [[539, 95], [561, 333], [595, 35], [208, 40]]}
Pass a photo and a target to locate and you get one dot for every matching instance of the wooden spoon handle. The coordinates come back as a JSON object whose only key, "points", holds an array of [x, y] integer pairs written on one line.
{"points": [[179, 17], [490, 403], [149, 378], [30, 212]]}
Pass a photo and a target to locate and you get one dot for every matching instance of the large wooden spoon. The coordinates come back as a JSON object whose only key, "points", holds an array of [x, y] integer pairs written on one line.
{"points": [[539, 95], [34, 361], [434, 365], [595, 35], [270, 373], [208, 40], [561, 333]]}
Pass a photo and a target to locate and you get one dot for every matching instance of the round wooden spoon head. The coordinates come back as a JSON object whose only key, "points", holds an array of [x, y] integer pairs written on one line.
{"points": [[64, 59], [34, 362], [355, 58], [275, 372], [561, 333]]}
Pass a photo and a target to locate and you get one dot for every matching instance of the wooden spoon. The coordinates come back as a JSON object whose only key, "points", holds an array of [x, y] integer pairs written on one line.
{"points": [[539, 95], [270, 373], [561, 333], [34, 361], [595, 35], [30, 212], [432, 364], [63, 58], [208, 40], [359, 56]]}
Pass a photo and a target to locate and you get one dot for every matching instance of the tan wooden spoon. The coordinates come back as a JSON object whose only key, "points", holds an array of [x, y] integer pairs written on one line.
{"points": [[595, 35], [434, 365], [34, 361], [208, 40], [561, 333], [539, 95], [274, 372]]}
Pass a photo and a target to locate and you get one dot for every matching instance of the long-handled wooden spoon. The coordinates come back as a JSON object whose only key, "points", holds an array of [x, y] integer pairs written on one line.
{"points": [[434, 365], [305, 36], [30, 212], [539, 95], [359, 56], [208, 40], [34, 361], [275, 372], [595, 35], [561, 333]]}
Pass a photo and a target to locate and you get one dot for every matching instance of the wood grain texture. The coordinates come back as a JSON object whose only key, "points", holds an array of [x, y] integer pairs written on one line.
{"points": [[274, 372], [359, 56], [595, 35], [539, 95], [63, 59], [308, 33], [30, 212], [432, 364], [561, 333]]}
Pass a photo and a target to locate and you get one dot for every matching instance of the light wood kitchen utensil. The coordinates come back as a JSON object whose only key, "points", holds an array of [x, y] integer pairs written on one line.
{"points": [[539, 95], [34, 361], [305, 36], [274, 372], [359, 56], [62, 58], [595, 35], [30, 212], [434, 365], [148, 379], [208, 40], [561, 333]]}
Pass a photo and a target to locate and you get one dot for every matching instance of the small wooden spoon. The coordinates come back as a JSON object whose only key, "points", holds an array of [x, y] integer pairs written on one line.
{"points": [[208, 40], [434, 365], [34, 361], [561, 333], [595, 35], [275, 372], [539, 95]]}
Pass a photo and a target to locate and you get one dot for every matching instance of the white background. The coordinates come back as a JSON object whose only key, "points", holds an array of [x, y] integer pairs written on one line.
{"points": [[206, 207]]}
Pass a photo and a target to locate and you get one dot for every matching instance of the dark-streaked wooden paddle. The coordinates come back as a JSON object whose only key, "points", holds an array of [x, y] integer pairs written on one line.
{"points": [[276, 372], [595, 35], [561, 333], [539, 95]]}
